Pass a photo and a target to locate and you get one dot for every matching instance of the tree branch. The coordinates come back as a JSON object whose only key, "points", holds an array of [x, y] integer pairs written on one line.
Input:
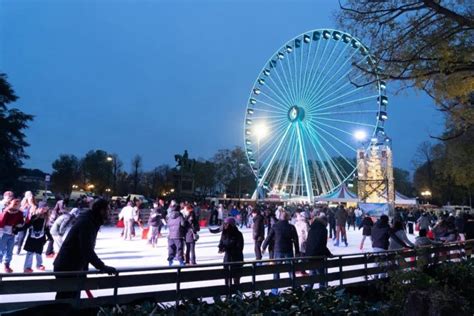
{"points": [[461, 20]]}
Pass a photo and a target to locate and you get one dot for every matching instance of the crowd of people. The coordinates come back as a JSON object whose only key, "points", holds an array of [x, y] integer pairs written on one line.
{"points": [[285, 232]]}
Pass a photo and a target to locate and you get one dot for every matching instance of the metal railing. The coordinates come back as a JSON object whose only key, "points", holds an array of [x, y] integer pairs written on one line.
{"points": [[173, 284]]}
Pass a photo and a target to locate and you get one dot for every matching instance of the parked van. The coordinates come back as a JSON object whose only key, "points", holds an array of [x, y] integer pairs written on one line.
{"points": [[44, 195], [455, 208], [76, 194]]}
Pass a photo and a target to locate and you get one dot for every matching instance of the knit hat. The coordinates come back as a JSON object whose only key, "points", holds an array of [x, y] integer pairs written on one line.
{"points": [[230, 221]]}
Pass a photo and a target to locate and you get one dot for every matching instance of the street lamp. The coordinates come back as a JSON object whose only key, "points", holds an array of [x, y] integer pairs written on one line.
{"points": [[261, 132], [426, 194], [360, 135]]}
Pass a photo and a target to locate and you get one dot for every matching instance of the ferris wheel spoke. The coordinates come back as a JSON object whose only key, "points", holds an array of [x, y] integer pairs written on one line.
{"points": [[266, 149], [310, 76], [280, 110], [273, 156], [349, 102], [269, 111], [282, 100], [284, 86], [308, 88], [300, 77], [324, 81], [284, 94], [305, 72], [304, 160], [320, 97], [334, 168], [336, 138], [313, 139], [339, 168], [336, 128], [282, 106], [346, 112], [348, 122], [317, 92], [339, 96], [292, 80], [321, 73], [255, 118]]}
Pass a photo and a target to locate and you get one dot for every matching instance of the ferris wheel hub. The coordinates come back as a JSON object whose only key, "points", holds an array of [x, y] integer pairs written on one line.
{"points": [[295, 113]]}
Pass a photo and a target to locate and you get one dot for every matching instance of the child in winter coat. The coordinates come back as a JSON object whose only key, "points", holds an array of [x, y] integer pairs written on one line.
{"points": [[38, 234]]}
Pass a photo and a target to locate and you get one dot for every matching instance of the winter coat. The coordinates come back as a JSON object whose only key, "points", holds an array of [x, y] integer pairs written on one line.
{"points": [[285, 237], [366, 224], [396, 238], [190, 224], [380, 235], [424, 222], [77, 250], [10, 221], [341, 217], [62, 224], [316, 244], [38, 233], [302, 229], [258, 228], [176, 225], [232, 244], [128, 213], [155, 218]]}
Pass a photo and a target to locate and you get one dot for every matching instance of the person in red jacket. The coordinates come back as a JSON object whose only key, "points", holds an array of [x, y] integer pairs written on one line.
{"points": [[11, 221]]}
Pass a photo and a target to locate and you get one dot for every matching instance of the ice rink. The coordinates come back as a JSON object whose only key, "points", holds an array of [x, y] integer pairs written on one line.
{"points": [[119, 253]]}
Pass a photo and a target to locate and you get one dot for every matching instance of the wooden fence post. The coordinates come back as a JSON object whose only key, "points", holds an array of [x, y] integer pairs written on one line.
{"points": [[341, 282]]}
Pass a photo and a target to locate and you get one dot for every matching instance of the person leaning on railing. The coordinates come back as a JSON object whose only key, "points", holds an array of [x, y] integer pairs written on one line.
{"points": [[316, 246], [77, 250]]}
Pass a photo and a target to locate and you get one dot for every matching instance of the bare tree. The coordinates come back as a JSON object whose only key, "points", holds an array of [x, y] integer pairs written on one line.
{"points": [[136, 171]]}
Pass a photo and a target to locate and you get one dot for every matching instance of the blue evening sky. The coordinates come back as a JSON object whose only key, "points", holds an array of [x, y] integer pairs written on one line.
{"points": [[156, 77]]}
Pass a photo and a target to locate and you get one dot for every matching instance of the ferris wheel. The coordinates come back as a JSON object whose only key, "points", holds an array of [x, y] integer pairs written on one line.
{"points": [[309, 101]]}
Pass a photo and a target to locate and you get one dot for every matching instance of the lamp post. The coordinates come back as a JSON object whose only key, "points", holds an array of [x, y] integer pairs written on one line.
{"points": [[260, 132], [113, 160]]}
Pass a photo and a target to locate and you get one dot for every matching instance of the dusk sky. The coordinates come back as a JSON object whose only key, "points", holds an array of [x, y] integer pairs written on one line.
{"points": [[157, 77]]}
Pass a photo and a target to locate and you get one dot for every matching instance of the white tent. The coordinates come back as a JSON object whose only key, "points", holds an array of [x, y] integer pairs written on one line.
{"points": [[341, 195]]}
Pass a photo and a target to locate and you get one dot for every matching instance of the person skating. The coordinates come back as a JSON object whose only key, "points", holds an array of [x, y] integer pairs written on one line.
{"points": [[231, 245], [191, 223], [258, 233], [27, 206], [366, 226], [154, 222], [341, 218], [11, 222], [398, 238], [176, 234], [37, 235], [59, 209], [285, 238], [61, 227], [129, 216], [77, 251]]}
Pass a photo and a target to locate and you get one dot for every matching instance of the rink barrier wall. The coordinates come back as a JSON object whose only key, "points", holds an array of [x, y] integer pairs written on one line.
{"points": [[173, 284]]}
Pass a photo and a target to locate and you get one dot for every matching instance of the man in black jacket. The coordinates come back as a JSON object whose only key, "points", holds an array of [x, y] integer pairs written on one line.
{"points": [[316, 246], [77, 250], [258, 233], [285, 237], [380, 239]]}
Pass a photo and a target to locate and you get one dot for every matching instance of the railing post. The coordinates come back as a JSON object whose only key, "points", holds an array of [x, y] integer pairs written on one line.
{"points": [[253, 278], [229, 283], [116, 286], [341, 282], [178, 286], [292, 274], [366, 276]]}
